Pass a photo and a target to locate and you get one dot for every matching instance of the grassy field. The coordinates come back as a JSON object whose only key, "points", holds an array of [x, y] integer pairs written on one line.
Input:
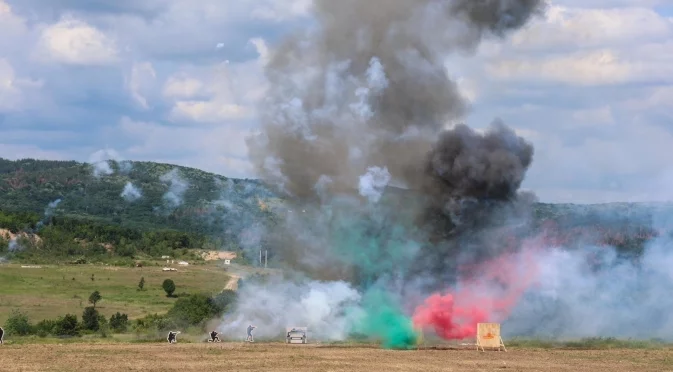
{"points": [[52, 291], [280, 357]]}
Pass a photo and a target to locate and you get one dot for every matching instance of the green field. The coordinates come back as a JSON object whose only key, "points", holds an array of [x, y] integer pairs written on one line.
{"points": [[52, 291]]}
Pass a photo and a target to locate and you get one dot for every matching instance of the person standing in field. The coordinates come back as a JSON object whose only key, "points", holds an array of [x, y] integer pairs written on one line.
{"points": [[250, 338], [2, 335]]}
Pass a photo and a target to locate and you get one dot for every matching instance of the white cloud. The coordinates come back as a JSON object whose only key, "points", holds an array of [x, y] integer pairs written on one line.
{"points": [[220, 148], [13, 89], [73, 41], [141, 80], [592, 68], [182, 87], [11, 26], [279, 10], [10, 95], [581, 28], [229, 91]]}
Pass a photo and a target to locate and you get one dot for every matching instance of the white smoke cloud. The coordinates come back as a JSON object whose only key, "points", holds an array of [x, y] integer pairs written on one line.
{"points": [[131, 192], [48, 212], [177, 186], [323, 307], [592, 292], [14, 245], [100, 161], [373, 183]]}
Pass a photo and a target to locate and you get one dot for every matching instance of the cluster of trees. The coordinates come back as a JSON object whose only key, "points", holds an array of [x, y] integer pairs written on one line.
{"points": [[65, 236], [189, 310], [68, 325]]}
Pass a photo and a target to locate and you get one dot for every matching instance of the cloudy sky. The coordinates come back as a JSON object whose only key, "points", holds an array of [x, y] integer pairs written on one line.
{"points": [[177, 81]]}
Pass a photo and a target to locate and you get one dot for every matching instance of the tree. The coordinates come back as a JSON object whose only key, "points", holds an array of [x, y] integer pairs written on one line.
{"points": [[94, 298], [141, 284], [90, 320], [119, 322], [67, 325], [194, 309], [18, 324], [169, 287]]}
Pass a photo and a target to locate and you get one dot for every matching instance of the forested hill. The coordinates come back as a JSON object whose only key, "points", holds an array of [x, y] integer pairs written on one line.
{"points": [[152, 208], [141, 195]]}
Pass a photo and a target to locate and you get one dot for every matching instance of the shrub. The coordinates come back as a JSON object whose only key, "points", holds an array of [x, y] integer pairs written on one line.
{"points": [[194, 309], [67, 325], [119, 322], [18, 324], [169, 286], [90, 319], [45, 327]]}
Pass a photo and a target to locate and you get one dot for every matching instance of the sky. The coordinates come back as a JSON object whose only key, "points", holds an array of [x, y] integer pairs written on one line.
{"points": [[590, 84]]}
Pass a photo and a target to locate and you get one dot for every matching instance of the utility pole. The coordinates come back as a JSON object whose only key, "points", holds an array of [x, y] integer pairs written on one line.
{"points": [[266, 252], [260, 257]]}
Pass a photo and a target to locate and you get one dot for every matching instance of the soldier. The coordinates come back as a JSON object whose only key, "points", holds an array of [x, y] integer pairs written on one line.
{"points": [[249, 338], [214, 337], [172, 337], [2, 335]]}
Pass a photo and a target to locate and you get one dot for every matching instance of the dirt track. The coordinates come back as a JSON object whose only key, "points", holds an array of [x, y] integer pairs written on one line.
{"points": [[281, 357]]}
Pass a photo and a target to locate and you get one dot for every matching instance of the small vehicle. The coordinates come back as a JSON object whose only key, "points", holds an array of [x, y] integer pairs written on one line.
{"points": [[296, 336]]}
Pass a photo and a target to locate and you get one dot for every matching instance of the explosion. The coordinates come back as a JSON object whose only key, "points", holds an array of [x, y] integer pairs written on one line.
{"points": [[354, 134]]}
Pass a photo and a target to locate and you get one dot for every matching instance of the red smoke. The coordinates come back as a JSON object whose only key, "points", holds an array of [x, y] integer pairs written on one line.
{"points": [[486, 293]]}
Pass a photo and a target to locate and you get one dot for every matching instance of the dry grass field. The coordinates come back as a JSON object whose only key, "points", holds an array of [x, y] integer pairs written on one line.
{"points": [[281, 357]]}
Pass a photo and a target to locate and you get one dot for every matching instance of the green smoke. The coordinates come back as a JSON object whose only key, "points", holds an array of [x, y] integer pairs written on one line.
{"points": [[370, 243], [384, 321]]}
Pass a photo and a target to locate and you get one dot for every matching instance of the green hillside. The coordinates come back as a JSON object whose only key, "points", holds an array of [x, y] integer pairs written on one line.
{"points": [[176, 207], [30, 185]]}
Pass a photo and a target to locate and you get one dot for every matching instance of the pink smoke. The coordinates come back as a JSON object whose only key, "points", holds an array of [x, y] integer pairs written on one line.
{"points": [[485, 293]]}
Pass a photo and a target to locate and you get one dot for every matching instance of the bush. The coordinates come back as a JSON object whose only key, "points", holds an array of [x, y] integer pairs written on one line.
{"points": [[226, 300], [90, 319], [45, 327], [153, 322], [18, 324], [119, 322], [194, 309], [169, 286], [67, 326]]}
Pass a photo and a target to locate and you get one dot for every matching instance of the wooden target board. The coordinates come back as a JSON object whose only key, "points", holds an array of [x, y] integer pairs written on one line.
{"points": [[488, 336]]}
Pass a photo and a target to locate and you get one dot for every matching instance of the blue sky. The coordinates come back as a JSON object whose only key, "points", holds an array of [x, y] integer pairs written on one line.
{"points": [[178, 81]]}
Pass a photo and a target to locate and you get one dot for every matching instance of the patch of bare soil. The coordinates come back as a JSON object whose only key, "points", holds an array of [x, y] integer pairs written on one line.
{"points": [[218, 255], [281, 357]]}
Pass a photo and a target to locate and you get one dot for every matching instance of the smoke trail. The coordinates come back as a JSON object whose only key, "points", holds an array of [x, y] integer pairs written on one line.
{"points": [[131, 193], [177, 186], [14, 245], [48, 213], [361, 102]]}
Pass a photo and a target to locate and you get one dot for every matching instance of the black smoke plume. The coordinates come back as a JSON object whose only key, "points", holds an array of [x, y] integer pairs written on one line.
{"points": [[366, 92]]}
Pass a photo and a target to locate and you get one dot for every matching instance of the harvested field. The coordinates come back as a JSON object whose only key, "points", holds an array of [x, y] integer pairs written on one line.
{"points": [[281, 357]]}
